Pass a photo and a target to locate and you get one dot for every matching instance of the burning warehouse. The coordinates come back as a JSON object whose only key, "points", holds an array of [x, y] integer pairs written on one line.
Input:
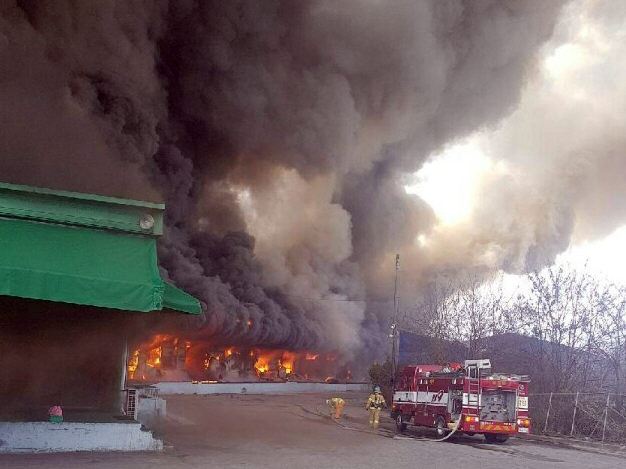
{"points": [[78, 279], [167, 357], [284, 137], [281, 136]]}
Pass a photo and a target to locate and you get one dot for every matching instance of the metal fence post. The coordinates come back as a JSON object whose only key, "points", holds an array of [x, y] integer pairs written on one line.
{"points": [[545, 427], [606, 413], [571, 433]]}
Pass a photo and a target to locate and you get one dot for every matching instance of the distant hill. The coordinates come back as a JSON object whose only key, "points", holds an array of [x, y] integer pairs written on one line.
{"points": [[416, 348], [545, 362]]}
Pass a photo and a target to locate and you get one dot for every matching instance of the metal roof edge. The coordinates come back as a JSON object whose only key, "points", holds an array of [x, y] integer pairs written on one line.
{"points": [[80, 209], [81, 196]]}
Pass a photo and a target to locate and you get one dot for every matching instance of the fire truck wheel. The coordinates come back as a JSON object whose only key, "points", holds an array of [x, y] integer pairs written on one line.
{"points": [[400, 424], [495, 438], [440, 426]]}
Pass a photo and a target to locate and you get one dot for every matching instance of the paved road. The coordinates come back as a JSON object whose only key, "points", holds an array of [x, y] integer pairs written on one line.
{"points": [[288, 431]]}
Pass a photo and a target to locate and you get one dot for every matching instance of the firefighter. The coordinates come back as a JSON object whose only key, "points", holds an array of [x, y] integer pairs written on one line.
{"points": [[375, 403], [336, 405]]}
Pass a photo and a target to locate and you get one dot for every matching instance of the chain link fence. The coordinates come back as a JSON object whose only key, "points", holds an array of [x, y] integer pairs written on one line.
{"points": [[596, 416]]}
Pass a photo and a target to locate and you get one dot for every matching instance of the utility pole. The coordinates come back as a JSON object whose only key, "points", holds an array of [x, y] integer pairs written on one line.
{"points": [[394, 325]]}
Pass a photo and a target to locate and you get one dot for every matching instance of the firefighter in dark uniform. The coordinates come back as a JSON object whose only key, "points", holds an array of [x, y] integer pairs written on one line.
{"points": [[375, 403]]}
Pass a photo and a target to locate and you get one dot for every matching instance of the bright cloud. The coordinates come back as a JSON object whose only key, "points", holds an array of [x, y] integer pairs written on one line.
{"points": [[450, 180]]}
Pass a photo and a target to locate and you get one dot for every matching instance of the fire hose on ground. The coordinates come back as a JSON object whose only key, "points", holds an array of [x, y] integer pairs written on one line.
{"points": [[452, 432], [456, 427], [347, 427]]}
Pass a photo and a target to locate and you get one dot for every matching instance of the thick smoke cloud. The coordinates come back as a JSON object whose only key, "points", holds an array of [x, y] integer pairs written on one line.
{"points": [[278, 133], [559, 159]]}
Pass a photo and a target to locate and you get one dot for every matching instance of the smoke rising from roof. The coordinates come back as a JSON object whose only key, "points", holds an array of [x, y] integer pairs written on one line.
{"points": [[278, 133]]}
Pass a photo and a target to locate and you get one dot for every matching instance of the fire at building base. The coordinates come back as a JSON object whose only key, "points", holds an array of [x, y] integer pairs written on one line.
{"points": [[167, 357]]}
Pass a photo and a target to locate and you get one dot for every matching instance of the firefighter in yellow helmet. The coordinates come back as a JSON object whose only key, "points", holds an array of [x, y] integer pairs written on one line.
{"points": [[336, 405], [375, 403]]}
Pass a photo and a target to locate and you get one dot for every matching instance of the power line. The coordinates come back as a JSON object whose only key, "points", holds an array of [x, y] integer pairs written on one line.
{"points": [[394, 324]]}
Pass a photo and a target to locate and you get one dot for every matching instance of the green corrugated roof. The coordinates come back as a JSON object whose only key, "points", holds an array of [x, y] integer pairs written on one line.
{"points": [[83, 249]]}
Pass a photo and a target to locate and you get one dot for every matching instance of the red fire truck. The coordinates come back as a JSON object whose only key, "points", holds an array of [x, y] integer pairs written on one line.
{"points": [[467, 398]]}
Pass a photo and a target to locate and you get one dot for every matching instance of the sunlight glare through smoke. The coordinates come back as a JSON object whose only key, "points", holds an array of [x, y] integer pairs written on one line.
{"points": [[450, 180]]}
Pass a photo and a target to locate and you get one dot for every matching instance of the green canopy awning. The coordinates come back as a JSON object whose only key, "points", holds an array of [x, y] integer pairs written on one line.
{"points": [[85, 265], [178, 300]]}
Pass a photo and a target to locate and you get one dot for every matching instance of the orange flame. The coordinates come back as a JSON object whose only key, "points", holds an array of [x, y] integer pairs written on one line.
{"points": [[276, 361], [133, 364], [154, 357], [163, 353], [287, 361], [262, 366]]}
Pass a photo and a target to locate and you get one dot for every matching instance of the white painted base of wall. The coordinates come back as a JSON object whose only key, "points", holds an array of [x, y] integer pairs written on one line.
{"points": [[150, 410], [46, 437], [172, 387]]}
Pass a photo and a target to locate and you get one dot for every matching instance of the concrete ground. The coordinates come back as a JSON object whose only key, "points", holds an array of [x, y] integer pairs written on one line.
{"points": [[246, 431]]}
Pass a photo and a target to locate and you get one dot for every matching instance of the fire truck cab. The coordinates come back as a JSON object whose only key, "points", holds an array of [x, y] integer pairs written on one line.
{"points": [[466, 398]]}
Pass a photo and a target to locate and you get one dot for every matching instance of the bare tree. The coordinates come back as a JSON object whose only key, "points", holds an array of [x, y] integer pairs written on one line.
{"points": [[610, 301], [483, 311], [468, 310], [561, 310], [433, 315], [571, 324]]}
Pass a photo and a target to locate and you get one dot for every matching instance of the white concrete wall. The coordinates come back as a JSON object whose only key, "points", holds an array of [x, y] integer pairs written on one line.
{"points": [[172, 387], [35, 437], [150, 410]]}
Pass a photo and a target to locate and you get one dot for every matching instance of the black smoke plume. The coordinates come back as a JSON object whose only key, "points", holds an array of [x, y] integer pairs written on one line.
{"points": [[278, 133]]}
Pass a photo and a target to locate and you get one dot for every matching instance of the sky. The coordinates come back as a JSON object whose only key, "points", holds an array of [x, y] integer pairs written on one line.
{"points": [[579, 72], [450, 184]]}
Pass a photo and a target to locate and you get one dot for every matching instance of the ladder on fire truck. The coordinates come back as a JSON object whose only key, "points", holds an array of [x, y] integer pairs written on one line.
{"points": [[473, 371], [473, 393]]}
